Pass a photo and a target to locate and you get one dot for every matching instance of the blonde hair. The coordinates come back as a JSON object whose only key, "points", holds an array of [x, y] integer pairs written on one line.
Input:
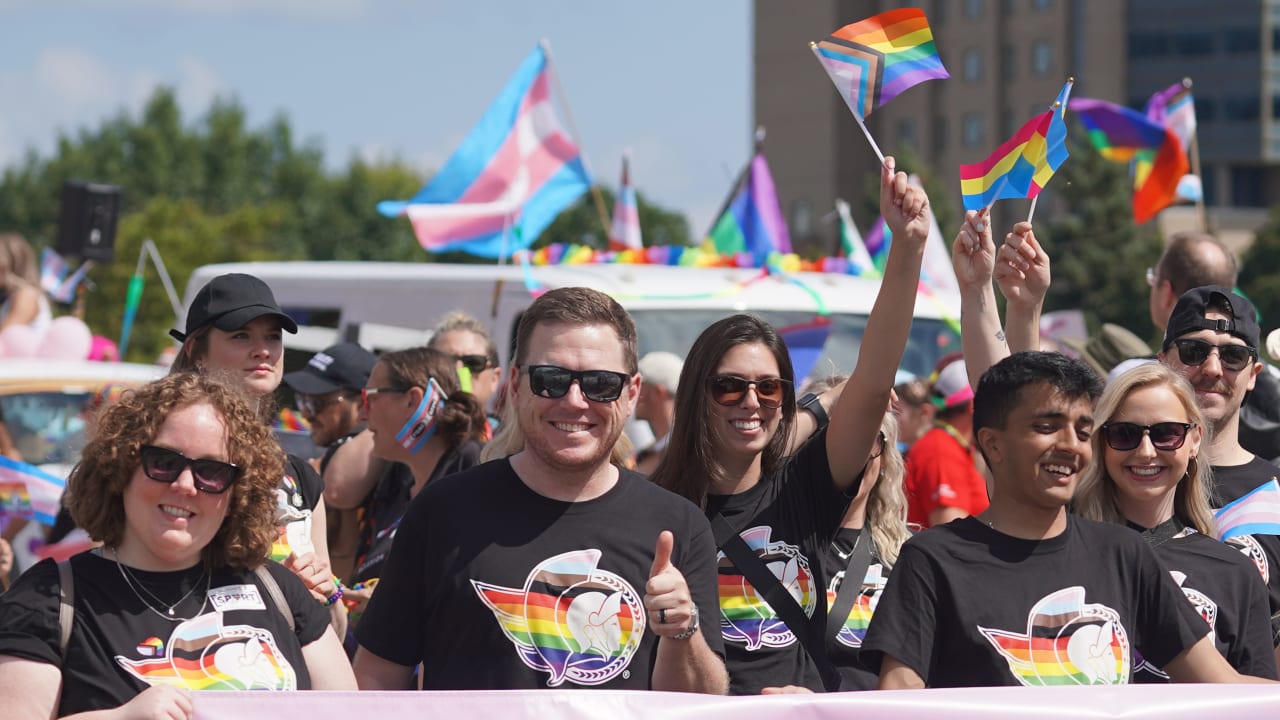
{"points": [[887, 504], [1097, 497]]}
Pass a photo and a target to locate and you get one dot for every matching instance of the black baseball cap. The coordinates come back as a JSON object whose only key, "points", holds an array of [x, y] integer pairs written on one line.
{"points": [[1189, 315], [231, 301], [345, 366]]}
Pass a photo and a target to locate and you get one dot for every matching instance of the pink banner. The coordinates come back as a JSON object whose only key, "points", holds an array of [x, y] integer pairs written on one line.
{"points": [[1133, 702]]}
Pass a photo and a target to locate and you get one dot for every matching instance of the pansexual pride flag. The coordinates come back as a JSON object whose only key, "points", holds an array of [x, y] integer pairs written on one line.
{"points": [[871, 62], [43, 489], [515, 167], [1023, 164], [626, 213], [1125, 135], [751, 221], [1255, 513]]}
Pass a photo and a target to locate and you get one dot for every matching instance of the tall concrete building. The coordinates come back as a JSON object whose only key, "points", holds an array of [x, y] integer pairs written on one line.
{"points": [[1007, 60]]}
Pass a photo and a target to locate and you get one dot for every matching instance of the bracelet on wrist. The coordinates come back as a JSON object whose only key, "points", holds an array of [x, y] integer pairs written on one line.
{"points": [[337, 593], [693, 626]]}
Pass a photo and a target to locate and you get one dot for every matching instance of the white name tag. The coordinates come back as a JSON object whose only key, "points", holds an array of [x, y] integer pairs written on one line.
{"points": [[236, 597]]}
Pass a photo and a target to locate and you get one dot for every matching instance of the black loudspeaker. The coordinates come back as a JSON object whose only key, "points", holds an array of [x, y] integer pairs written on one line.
{"points": [[87, 223]]}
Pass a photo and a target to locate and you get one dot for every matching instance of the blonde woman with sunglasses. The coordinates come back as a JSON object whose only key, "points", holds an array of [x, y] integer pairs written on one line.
{"points": [[1147, 473], [735, 409]]}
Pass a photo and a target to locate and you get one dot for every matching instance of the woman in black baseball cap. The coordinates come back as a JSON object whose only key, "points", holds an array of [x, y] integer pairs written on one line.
{"points": [[235, 327]]}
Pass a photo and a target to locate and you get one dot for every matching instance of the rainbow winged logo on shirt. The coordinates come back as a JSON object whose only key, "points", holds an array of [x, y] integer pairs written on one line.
{"points": [[854, 629], [204, 654], [1067, 642], [745, 616], [571, 620]]}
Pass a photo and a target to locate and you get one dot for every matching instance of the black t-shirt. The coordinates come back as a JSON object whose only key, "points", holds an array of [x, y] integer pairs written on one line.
{"points": [[1223, 587], [843, 648], [492, 586], [119, 647], [968, 606], [1230, 483], [385, 507], [788, 519]]}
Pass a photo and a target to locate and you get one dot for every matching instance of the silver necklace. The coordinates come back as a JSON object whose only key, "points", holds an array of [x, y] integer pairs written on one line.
{"points": [[135, 584]]}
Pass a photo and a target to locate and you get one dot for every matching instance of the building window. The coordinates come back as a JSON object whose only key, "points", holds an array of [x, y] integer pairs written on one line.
{"points": [[938, 17], [1006, 124], [939, 133], [1206, 109], [1007, 7], [973, 64], [1008, 62], [801, 219], [973, 8], [1145, 45], [1193, 42], [1041, 5], [1241, 109], [1241, 41], [971, 131], [907, 132], [1246, 186], [1275, 106], [1041, 57], [1275, 40]]}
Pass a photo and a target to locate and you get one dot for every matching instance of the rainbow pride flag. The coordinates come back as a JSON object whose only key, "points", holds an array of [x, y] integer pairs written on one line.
{"points": [[751, 221], [516, 167], [1255, 513], [873, 61], [1023, 164], [625, 232], [44, 490]]}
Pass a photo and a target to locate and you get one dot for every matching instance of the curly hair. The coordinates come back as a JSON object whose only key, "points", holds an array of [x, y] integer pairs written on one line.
{"points": [[461, 418], [690, 467], [1098, 497], [95, 489]]}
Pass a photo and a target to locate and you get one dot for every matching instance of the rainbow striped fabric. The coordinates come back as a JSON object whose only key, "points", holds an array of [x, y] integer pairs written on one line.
{"points": [[625, 232], [1255, 513], [1023, 164], [873, 61]]}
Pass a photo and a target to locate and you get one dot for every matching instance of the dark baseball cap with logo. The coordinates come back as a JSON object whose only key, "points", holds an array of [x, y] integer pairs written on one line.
{"points": [[345, 366], [1189, 315], [229, 302]]}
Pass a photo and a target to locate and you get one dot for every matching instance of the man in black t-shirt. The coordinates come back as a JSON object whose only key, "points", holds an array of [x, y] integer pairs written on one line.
{"points": [[551, 567], [1023, 593], [1212, 340]]}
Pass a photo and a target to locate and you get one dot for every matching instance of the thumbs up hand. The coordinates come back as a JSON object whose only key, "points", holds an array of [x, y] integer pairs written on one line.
{"points": [[670, 608]]}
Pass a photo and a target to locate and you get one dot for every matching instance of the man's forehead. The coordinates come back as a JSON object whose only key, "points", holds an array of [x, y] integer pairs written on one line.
{"points": [[1216, 337], [462, 342], [1042, 400]]}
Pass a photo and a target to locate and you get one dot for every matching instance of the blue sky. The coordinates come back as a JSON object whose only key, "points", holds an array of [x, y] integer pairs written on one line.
{"points": [[669, 79]]}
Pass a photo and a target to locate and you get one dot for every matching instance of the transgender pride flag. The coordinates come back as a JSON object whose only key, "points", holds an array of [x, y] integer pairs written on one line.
{"points": [[1256, 513], [43, 489], [625, 232], [516, 167]]}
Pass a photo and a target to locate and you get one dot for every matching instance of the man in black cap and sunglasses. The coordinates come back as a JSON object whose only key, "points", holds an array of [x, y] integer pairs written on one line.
{"points": [[551, 566], [1212, 340]]}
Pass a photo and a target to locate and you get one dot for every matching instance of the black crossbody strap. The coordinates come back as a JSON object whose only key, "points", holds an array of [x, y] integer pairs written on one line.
{"points": [[807, 630], [851, 586]]}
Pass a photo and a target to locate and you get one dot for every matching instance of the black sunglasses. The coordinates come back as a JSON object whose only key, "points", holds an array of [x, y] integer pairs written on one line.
{"points": [[166, 466], [1125, 436], [1232, 357], [730, 389], [553, 381], [477, 363]]}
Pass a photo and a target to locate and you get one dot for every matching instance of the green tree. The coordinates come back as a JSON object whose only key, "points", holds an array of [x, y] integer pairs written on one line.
{"points": [[1260, 271], [580, 223], [935, 186], [1098, 254]]}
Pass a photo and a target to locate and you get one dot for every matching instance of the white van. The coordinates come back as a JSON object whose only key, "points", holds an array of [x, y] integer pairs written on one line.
{"points": [[394, 305]]}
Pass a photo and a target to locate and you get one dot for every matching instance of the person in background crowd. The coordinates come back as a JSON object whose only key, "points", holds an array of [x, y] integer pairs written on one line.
{"points": [[234, 325], [327, 393], [467, 340], [555, 524], [179, 486], [1106, 349], [21, 299], [1146, 473], [776, 511], [913, 410], [943, 482], [660, 371], [6, 563]]}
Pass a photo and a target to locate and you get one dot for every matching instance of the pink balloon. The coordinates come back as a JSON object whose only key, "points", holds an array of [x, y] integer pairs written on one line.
{"points": [[19, 341], [67, 338]]}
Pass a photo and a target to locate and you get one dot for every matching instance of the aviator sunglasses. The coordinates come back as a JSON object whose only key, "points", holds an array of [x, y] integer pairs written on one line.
{"points": [[1124, 436], [729, 390], [1232, 357], [166, 466], [553, 381]]}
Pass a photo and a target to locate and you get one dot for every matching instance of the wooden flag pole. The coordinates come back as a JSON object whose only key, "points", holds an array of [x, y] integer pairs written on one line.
{"points": [[582, 150], [814, 47]]}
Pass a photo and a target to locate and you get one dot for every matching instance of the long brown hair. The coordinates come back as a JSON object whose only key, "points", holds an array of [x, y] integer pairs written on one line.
{"points": [[460, 418]]}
